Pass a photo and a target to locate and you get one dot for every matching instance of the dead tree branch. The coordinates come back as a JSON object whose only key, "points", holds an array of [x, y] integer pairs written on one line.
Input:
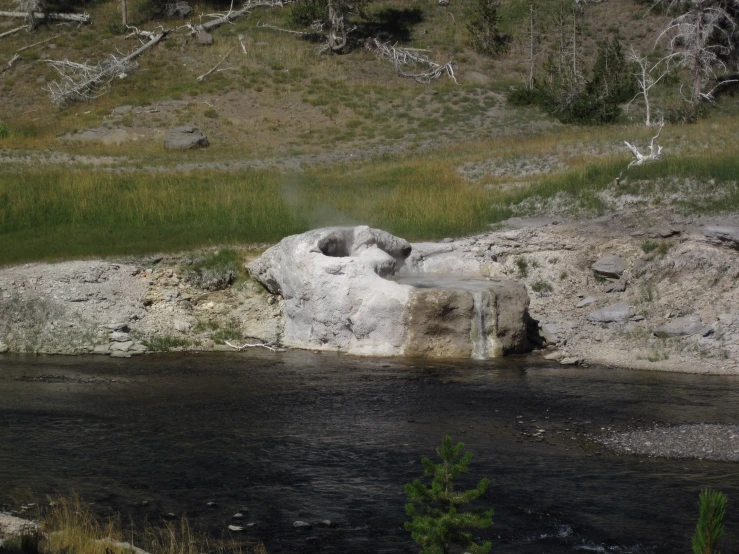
{"points": [[80, 81], [78, 17], [37, 43], [645, 158], [411, 58], [204, 75], [6, 33], [10, 63], [276, 28], [268, 346]]}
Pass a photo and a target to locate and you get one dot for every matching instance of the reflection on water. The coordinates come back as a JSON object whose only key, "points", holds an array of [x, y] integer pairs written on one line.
{"points": [[322, 436]]}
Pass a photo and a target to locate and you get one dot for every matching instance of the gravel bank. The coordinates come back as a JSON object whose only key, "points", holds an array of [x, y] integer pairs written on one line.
{"points": [[702, 441]]}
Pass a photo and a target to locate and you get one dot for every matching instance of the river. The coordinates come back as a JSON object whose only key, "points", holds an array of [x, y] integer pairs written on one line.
{"points": [[303, 436]]}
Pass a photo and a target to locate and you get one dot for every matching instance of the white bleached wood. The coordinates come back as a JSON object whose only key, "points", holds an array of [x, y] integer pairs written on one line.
{"points": [[645, 158], [78, 17], [412, 58]]}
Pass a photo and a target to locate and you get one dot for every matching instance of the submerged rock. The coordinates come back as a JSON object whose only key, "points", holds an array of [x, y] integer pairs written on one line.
{"points": [[342, 292]]}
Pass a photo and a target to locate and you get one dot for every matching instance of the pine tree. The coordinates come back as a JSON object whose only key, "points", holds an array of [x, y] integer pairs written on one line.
{"points": [[710, 526], [485, 35], [439, 523]]}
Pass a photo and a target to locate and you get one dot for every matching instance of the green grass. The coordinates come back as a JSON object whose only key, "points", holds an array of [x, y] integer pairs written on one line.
{"points": [[53, 213]]}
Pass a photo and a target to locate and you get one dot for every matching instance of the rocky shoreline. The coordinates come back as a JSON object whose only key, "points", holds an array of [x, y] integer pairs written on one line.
{"points": [[623, 291]]}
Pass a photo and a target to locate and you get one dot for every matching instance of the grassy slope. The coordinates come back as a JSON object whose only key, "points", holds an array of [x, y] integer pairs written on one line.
{"points": [[282, 101]]}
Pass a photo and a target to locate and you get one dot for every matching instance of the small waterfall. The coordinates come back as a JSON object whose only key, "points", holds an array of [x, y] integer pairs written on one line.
{"points": [[479, 334]]}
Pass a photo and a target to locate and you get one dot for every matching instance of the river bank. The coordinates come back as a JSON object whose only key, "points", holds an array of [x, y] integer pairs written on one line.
{"points": [[671, 305]]}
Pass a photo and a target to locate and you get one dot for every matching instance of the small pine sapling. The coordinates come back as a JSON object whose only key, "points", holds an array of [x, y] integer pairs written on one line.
{"points": [[710, 526], [439, 523]]}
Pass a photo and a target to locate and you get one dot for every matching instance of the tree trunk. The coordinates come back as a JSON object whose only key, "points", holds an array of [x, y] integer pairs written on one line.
{"points": [[531, 46], [124, 13], [337, 33], [698, 60]]}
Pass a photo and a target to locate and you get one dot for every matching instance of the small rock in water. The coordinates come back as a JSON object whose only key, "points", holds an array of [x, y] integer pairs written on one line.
{"points": [[235, 528], [243, 510], [301, 525], [570, 361], [212, 505], [238, 516], [327, 523]]}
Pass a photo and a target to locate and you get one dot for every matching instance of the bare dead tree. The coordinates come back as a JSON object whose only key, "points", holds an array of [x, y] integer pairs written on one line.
{"points": [[654, 154], [81, 82], [409, 57], [646, 79], [691, 40]]}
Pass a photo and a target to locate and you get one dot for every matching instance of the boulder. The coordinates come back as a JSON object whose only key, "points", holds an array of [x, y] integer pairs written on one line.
{"points": [[680, 327], [185, 137], [617, 313], [728, 236], [204, 38], [340, 293], [3, 347], [609, 266]]}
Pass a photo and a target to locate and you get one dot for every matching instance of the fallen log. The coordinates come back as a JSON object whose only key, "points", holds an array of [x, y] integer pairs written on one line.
{"points": [[231, 15], [78, 17], [79, 80]]}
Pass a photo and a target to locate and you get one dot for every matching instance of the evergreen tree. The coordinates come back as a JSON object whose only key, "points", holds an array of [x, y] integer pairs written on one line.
{"points": [[483, 24], [439, 523], [712, 505]]}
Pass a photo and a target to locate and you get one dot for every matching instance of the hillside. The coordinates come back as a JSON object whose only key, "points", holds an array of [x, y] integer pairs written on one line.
{"points": [[297, 139]]}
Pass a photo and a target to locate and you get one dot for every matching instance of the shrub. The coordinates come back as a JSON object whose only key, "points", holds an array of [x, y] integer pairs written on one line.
{"points": [[523, 267], [214, 271], [164, 343], [4, 131], [542, 287], [648, 246], [305, 13]]}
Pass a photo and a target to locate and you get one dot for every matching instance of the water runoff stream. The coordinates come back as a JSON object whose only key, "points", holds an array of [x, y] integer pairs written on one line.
{"points": [[312, 437]]}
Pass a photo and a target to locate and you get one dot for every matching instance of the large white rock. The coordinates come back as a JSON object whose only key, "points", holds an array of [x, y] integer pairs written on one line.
{"points": [[336, 296], [339, 294]]}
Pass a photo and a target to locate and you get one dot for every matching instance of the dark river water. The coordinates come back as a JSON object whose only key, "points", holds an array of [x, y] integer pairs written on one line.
{"points": [[301, 436]]}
